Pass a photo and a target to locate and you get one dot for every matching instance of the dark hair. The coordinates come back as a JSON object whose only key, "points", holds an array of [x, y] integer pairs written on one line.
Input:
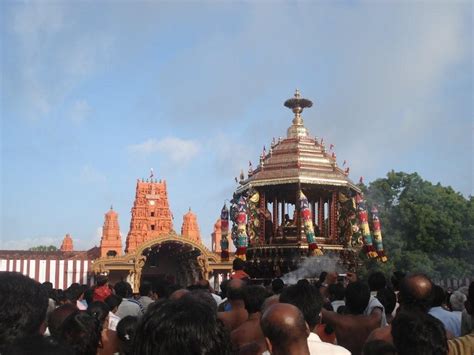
{"points": [[238, 264], [388, 298], [89, 295], [81, 331], [418, 333], [184, 326], [357, 297], [99, 310], [57, 317], [396, 278], [101, 280], [203, 296], [126, 328], [277, 286], [145, 288], [438, 296], [336, 292], [74, 292], [254, 296], [307, 299], [223, 287], [123, 289], [22, 309], [113, 301], [377, 281], [470, 295], [38, 345], [378, 347], [235, 293]]}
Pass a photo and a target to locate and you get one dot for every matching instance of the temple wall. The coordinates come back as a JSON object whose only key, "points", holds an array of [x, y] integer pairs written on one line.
{"points": [[60, 272]]}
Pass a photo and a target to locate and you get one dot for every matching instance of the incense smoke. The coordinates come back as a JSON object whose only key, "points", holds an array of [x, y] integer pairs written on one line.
{"points": [[312, 267]]}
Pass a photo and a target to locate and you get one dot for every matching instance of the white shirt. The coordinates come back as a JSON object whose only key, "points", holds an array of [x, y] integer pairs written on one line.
{"points": [[113, 321], [316, 346], [375, 303]]}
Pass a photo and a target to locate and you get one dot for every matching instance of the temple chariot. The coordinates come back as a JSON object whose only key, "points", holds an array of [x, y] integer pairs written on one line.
{"points": [[298, 203]]}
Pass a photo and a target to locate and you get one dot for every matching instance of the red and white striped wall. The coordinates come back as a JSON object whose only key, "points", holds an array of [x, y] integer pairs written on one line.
{"points": [[60, 272]]}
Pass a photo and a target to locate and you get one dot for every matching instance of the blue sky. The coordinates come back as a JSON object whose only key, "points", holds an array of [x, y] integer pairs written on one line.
{"points": [[95, 93]]}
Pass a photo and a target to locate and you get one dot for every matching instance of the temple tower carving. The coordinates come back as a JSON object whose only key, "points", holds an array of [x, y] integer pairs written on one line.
{"points": [[111, 241], [67, 244], [216, 237], [151, 215], [190, 227]]}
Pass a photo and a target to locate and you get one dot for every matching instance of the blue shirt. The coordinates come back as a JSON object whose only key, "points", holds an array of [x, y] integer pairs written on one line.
{"points": [[450, 320]]}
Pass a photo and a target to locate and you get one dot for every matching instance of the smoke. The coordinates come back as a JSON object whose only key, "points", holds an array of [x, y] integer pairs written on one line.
{"points": [[312, 267]]}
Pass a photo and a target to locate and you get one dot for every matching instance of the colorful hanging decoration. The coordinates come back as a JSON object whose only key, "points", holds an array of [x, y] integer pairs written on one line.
{"points": [[308, 225], [238, 215], [224, 233], [253, 222], [377, 233], [363, 224]]}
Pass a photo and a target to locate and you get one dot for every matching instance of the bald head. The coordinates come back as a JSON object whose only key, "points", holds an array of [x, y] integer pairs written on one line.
{"points": [[284, 326], [415, 292], [270, 301]]}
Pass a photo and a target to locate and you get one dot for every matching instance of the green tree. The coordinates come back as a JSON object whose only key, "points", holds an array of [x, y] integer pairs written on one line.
{"points": [[44, 248], [426, 227]]}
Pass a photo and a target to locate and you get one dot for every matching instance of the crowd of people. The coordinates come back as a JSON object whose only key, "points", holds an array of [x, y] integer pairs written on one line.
{"points": [[402, 314]]}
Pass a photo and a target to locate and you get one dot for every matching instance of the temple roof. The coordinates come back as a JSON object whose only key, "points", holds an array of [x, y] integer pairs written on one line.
{"points": [[298, 158]]}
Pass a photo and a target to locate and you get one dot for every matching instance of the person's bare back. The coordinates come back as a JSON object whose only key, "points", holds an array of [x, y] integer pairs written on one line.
{"points": [[353, 330], [235, 317], [248, 332]]}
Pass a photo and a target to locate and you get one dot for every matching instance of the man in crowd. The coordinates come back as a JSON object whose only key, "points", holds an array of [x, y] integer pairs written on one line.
{"points": [[147, 296], [128, 306], [377, 282], [250, 331], [237, 314], [285, 330], [22, 309], [418, 333], [353, 327], [451, 321], [465, 344], [309, 301], [414, 296], [238, 267]]}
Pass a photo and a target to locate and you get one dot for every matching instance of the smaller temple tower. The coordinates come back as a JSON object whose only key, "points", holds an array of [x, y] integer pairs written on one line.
{"points": [[216, 237], [111, 241], [190, 227], [67, 244]]}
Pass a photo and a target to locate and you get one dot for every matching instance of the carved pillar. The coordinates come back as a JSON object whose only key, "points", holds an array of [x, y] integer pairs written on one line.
{"points": [[321, 216], [261, 217], [313, 211], [275, 217], [334, 216], [298, 216], [282, 211]]}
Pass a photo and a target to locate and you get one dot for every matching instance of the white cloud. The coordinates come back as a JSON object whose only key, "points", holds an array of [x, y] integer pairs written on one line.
{"points": [[79, 111], [179, 151], [89, 175]]}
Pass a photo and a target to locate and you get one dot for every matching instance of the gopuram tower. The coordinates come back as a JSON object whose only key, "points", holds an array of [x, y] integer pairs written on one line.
{"points": [[111, 241], [67, 244], [190, 227], [151, 215]]}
